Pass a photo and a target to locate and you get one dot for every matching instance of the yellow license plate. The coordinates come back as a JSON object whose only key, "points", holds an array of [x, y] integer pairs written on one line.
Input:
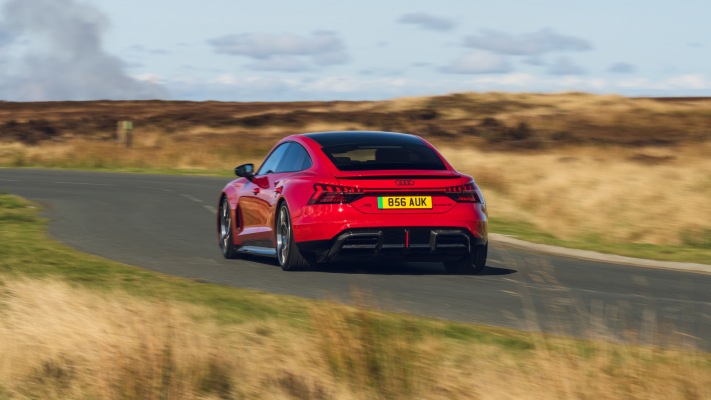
{"points": [[404, 202]]}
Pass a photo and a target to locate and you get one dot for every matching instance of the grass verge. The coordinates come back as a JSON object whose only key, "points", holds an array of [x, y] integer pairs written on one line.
{"points": [[75, 326], [529, 233]]}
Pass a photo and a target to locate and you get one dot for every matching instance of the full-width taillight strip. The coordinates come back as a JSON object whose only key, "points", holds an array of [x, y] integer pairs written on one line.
{"points": [[335, 194]]}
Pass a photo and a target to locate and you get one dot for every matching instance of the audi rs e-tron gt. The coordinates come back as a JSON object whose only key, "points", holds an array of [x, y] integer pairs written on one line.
{"points": [[329, 196]]}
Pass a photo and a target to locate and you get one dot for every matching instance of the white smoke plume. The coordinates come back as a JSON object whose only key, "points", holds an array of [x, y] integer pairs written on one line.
{"points": [[52, 50]]}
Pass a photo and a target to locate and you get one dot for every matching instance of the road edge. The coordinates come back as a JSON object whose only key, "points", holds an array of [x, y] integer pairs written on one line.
{"points": [[596, 256]]}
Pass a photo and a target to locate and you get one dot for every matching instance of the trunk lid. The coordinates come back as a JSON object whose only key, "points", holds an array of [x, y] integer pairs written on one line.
{"points": [[403, 191]]}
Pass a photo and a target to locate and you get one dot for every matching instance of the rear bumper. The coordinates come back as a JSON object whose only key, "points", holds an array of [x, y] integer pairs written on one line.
{"points": [[330, 232], [326, 222], [417, 243]]}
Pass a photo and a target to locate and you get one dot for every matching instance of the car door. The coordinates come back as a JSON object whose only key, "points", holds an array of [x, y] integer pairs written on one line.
{"points": [[256, 201], [294, 160]]}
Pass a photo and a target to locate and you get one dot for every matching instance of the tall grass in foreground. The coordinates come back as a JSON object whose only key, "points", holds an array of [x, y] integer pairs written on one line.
{"points": [[72, 328], [63, 342]]}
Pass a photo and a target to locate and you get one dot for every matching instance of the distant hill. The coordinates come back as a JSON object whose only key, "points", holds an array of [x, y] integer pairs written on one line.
{"points": [[499, 121]]}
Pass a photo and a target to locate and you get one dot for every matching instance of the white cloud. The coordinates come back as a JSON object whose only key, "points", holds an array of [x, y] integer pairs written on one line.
{"points": [[322, 48], [564, 66], [689, 81], [527, 44], [150, 78], [223, 79], [517, 79], [137, 48], [534, 83], [673, 85], [279, 63], [633, 83], [229, 87], [479, 62], [348, 84], [427, 21], [56, 53], [575, 83]]}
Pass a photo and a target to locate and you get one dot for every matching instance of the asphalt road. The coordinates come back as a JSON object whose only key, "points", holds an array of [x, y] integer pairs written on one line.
{"points": [[167, 224]]}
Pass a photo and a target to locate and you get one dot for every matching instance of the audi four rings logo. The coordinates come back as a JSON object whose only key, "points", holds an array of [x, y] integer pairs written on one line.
{"points": [[404, 182]]}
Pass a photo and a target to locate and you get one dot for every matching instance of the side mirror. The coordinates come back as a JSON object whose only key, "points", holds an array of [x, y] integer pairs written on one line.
{"points": [[245, 171]]}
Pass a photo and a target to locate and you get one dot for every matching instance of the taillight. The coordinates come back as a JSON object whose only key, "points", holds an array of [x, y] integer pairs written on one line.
{"points": [[333, 194], [463, 193]]}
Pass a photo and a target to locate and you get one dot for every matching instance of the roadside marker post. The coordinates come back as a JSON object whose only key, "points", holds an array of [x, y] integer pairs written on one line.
{"points": [[124, 132]]}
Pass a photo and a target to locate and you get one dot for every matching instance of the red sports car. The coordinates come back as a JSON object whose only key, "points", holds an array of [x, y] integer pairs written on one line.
{"points": [[328, 196]]}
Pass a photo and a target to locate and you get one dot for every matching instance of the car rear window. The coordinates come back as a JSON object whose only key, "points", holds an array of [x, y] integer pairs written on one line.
{"points": [[350, 157]]}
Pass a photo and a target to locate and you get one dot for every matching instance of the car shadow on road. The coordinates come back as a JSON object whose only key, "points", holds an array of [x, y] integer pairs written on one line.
{"points": [[382, 267], [401, 268]]}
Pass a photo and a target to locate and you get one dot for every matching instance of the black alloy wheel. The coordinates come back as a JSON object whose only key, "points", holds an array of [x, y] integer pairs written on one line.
{"points": [[472, 265], [225, 230], [288, 255]]}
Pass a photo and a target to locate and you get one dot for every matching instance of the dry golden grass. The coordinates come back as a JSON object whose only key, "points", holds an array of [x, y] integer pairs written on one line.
{"points": [[61, 342], [640, 195], [64, 342]]}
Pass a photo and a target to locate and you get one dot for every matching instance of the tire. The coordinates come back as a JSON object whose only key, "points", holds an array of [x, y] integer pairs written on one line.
{"points": [[472, 265], [289, 256], [225, 231]]}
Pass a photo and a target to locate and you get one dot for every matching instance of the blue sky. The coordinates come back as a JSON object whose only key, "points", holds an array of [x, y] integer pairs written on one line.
{"points": [[363, 50]]}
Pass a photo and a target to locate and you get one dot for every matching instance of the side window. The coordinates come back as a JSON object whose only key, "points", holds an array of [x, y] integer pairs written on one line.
{"points": [[296, 159], [272, 161]]}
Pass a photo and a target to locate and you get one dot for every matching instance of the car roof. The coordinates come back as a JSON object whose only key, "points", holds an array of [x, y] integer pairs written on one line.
{"points": [[369, 138]]}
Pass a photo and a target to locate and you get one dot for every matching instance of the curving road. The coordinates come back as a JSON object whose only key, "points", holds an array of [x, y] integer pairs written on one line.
{"points": [[167, 224]]}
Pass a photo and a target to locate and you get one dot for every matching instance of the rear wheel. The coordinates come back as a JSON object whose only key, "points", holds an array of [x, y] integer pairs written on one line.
{"points": [[289, 256], [225, 230], [474, 264]]}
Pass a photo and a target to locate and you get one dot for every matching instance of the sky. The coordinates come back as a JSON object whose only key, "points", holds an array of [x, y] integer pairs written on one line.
{"points": [[279, 50]]}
